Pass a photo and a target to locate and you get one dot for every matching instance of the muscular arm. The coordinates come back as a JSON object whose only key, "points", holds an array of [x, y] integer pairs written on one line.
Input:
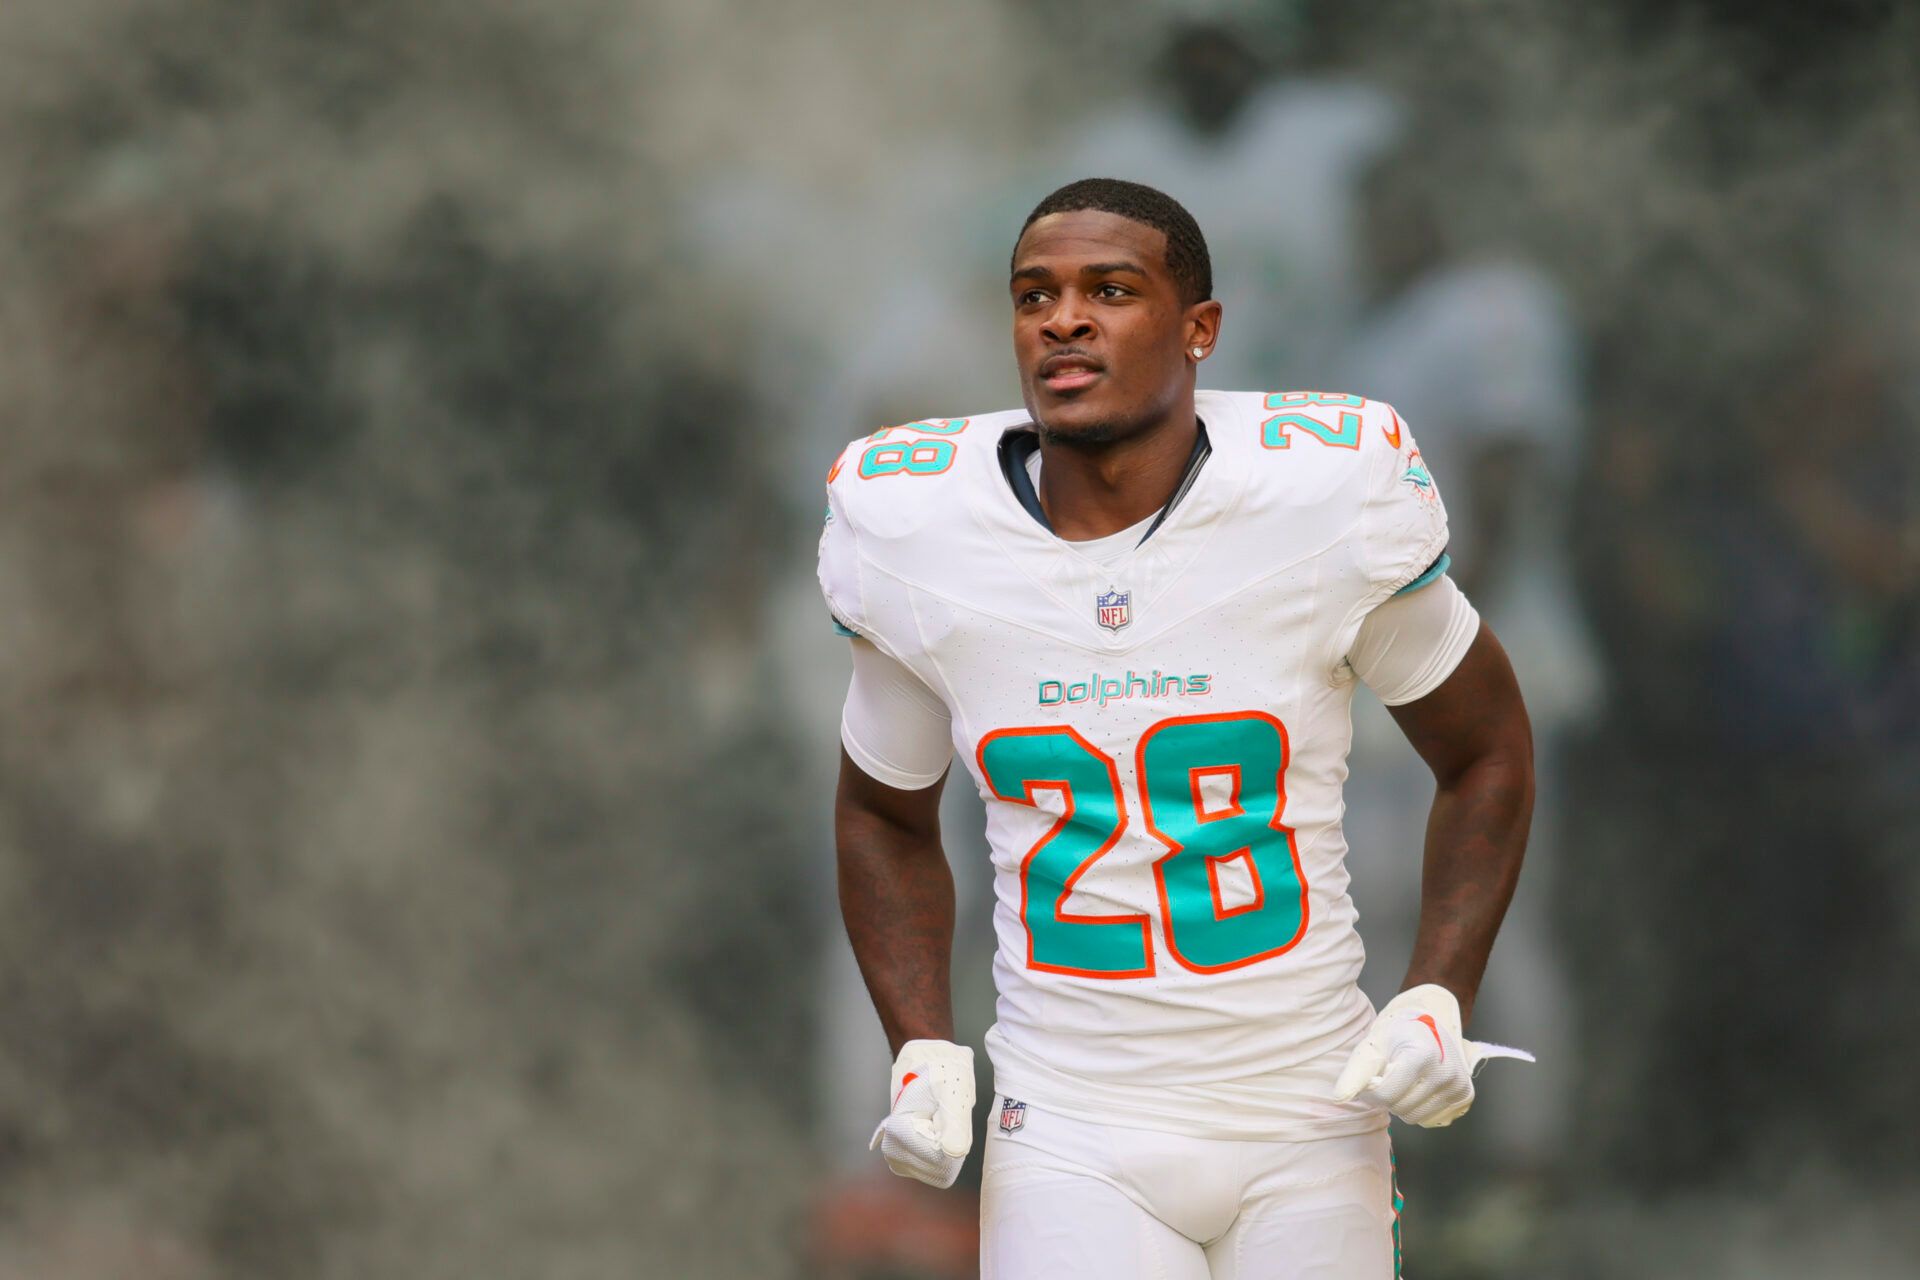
{"points": [[896, 896], [1473, 733]]}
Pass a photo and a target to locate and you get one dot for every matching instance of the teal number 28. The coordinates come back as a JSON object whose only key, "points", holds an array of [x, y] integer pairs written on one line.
{"points": [[1175, 761], [1274, 433]]}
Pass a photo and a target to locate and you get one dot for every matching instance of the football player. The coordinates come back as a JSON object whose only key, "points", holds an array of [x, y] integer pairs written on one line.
{"points": [[1137, 611]]}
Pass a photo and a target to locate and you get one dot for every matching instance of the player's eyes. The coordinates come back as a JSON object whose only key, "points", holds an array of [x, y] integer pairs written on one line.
{"points": [[1030, 297], [1110, 290]]}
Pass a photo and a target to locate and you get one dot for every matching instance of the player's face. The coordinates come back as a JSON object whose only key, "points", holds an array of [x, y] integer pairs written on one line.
{"points": [[1099, 327]]}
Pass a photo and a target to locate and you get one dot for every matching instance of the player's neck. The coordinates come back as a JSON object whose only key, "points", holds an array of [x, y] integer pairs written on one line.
{"points": [[1089, 493]]}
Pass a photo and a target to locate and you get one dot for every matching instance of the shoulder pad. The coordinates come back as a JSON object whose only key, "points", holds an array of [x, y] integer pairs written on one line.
{"points": [[898, 508], [1333, 468], [1305, 448], [899, 479]]}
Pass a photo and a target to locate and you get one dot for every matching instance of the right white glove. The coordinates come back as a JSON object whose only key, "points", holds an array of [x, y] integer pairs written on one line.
{"points": [[930, 1130]]}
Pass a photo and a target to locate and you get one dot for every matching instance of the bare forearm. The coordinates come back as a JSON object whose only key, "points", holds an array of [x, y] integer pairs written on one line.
{"points": [[1476, 840], [896, 896]]}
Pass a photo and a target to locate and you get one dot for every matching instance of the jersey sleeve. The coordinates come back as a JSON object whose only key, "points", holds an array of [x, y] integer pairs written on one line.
{"points": [[894, 727], [1405, 522], [839, 569], [1408, 645]]}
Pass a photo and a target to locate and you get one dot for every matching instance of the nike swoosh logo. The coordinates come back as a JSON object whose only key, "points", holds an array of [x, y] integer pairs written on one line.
{"points": [[911, 1076], [1425, 1017]]}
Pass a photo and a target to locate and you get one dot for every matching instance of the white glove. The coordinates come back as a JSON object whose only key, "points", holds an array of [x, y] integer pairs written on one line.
{"points": [[1415, 1062], [930, 1129]]}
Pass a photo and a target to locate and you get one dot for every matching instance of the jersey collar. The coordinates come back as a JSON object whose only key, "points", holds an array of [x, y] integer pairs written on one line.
{"points": [[1017, 446]]}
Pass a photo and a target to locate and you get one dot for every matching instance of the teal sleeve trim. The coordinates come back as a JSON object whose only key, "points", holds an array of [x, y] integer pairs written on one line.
{"points": [[1434, 570], [842, 629]]}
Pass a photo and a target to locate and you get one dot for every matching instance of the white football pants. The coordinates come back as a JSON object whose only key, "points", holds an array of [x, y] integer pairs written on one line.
{"points": [[1065, 1199]]}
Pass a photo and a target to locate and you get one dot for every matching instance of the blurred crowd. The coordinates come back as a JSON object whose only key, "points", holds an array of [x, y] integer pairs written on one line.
{"points": [[418, 718], [386, 818]]}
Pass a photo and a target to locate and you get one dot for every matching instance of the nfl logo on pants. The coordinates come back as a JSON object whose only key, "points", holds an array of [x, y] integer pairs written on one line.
{"points": [[1012, 1115], [1113, 609]]}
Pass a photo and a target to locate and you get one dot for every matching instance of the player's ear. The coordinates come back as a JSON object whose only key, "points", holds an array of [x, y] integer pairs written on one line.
{"points": [[1203, 328]]}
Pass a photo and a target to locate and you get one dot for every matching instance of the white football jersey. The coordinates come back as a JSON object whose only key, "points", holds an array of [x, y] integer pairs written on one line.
{"points": [[1160, 742]]}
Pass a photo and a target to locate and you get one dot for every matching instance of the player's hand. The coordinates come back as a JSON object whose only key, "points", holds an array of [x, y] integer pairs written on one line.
{"points": [[1416, 1063], [930, 1130]]}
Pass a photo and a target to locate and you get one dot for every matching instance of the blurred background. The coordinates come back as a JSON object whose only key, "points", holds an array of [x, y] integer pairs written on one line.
{"points": [[418, 720]]}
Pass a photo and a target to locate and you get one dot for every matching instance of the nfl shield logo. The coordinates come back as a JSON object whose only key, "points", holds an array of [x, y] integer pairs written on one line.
{"points": [[1012, 1115], [1114, 609]]}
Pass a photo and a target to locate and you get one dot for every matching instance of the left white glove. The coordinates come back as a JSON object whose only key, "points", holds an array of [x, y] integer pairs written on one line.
{"points": [[930, 1129], [1416, 1063]]}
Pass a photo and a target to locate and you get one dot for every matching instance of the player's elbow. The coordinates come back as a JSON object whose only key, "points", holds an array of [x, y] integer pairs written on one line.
{"points": [[1494, 762], [1508, 779], [1497, 753], [1498, 780]]}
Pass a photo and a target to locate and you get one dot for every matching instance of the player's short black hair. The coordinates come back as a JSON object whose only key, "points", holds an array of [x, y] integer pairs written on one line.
{"points": [[1187, 255]]}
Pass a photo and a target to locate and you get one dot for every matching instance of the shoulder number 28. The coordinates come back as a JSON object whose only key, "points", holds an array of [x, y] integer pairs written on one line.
{"points": [[912, 457]]}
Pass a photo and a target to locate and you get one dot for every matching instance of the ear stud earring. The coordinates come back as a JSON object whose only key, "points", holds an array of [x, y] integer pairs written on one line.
{"points": [[1199, 352]]}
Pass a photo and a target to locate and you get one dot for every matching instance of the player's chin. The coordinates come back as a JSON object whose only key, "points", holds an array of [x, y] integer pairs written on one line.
{"points": [[1065, 429], [1074, 416]]}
